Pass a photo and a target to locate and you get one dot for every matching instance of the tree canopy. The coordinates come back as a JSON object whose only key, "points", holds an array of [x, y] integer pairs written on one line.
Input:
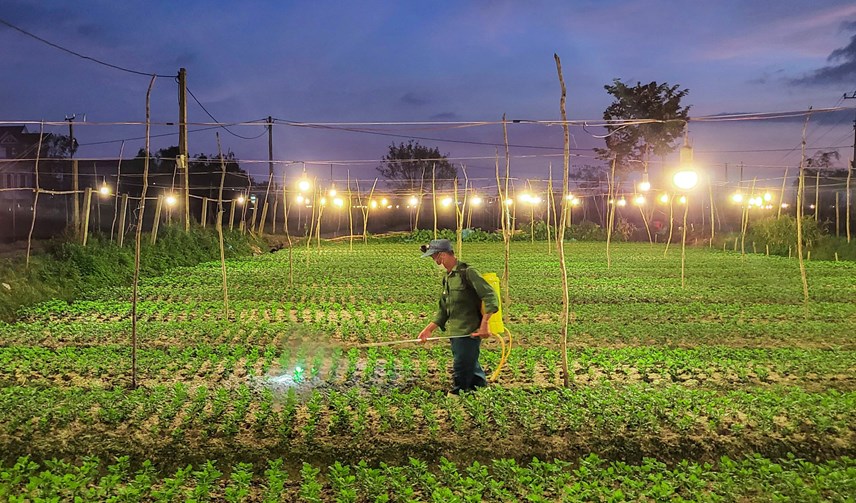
{"points": [[649, 101], [409, 166]]}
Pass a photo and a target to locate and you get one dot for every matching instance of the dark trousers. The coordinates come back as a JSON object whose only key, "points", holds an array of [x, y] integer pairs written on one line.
{"points": [[467, 372]]}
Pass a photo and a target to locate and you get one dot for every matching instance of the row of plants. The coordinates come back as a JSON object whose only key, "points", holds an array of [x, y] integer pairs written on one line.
{"points": [[639, 273], [753, 478], [624, 421], [717, 367], [86, 323]]}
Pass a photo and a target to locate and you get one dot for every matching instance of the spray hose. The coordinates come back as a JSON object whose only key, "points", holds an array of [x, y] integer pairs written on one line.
{"points": [[505, 347]]}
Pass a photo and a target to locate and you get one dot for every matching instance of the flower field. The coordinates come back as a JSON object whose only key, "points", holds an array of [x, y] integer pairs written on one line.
{"points": [[728, 389]]}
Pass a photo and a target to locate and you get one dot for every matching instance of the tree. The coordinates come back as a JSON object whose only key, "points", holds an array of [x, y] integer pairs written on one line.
{"points": [[56, 148], [637, 142], [410, 166]]}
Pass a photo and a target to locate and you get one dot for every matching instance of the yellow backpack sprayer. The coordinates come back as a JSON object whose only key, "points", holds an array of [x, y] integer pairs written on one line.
{"points": [[496, 327]]}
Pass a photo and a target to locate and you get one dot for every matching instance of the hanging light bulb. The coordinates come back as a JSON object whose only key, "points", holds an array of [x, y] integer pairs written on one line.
{"points": [[644, 185]]}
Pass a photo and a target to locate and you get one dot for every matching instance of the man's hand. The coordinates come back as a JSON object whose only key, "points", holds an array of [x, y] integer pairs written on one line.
{"points": [[424, 335], [481, 332]]}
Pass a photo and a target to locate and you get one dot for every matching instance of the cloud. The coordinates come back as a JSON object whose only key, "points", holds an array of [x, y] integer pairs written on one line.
{"points": [[843, 71], [412, 99], [445, 116]]}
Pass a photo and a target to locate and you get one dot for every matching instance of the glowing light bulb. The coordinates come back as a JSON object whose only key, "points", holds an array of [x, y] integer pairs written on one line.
{"points": [[300, 199], [622, 202], [664, 199], [104, 190], [737, 197], [304, 185], [338, 202], [476, 201], [373, 204], [413, 201], [685, 180], [639, 200], [171, 200], [644, 186], [768, 197], [446, 202], [683, 200]]}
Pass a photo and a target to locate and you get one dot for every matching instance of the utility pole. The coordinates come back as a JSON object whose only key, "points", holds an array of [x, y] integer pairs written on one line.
{"points": [[183, 170], [75, 181]]}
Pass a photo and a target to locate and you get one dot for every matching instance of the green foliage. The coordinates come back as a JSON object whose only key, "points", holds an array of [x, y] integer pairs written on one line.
{"points": [[69, 271], [412, 167], [780, 234]]}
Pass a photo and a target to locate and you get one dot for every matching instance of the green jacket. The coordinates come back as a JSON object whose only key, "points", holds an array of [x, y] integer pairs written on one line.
{"points": [[460, 306]]}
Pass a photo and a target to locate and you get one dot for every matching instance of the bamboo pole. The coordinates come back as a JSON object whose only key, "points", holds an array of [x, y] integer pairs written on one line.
{"points": [[36, 195], [350, 216], [503, 209], [419, 201], [712, 212], [837, 226], [220, 211], [265, 205], [847, 196], [548, 198], [817, 195], [684, 243], [459, 222], [232, 214], [800, 190], [509, 226], [566, 301], [671, 223], [611, 215], [287, 232], [366, 211], [745, 222], [273, 218], [116, 193], [434, 195], [139, 233], [123, 212], [156, 223], [204, 216], [87, 198], [782, 198], [647, 227]]}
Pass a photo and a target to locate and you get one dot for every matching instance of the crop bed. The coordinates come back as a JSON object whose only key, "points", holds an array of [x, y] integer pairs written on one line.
{"points": [[730, 388]]}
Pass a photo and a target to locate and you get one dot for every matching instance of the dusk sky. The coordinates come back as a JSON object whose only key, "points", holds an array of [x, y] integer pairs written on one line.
{"points": [[434, 61]]}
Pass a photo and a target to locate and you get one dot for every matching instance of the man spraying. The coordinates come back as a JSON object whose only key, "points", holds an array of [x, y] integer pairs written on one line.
{"points": [[460, 313]]}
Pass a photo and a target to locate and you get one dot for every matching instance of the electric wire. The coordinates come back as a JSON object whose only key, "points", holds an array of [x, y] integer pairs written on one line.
{"points": [[79, 55], [224, 127]]}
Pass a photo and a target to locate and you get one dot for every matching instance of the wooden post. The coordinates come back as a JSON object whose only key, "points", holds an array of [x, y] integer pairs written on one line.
{"points": [[183, 171], [204, 216], [87, 201], [156, 223], [232, 214], [273, 218], [75, 187], [123, 212], [138, 241], [253, 216], [264, 218]]}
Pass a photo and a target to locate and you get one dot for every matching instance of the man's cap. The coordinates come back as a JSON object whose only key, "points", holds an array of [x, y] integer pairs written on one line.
{"points": [[436, 246]]}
